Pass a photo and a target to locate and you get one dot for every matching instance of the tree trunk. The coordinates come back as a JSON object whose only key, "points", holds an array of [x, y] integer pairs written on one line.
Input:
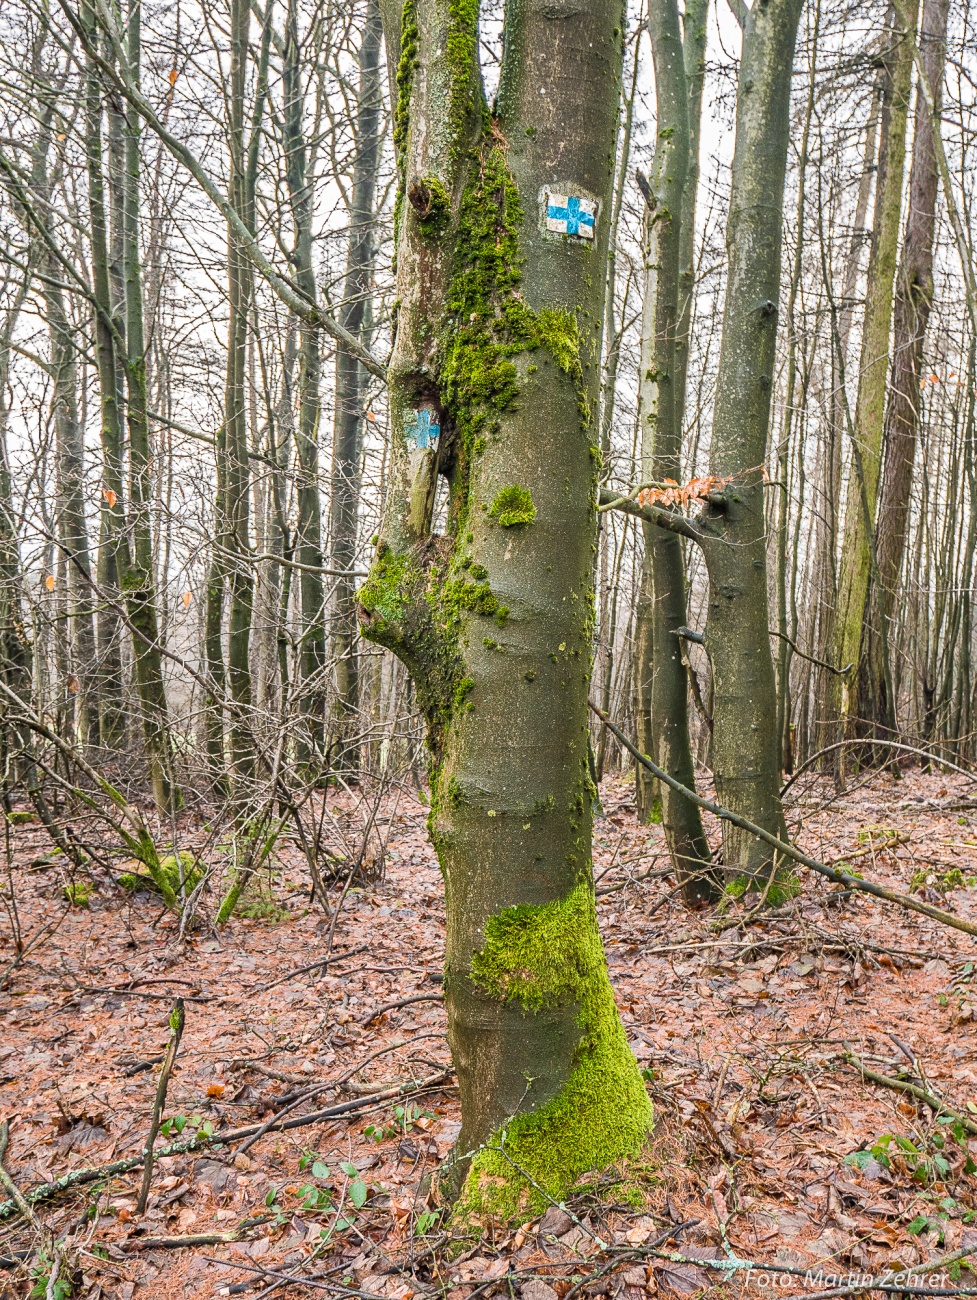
{"points": [[231, 562], [745, 757], [860, 510], [663, 690], [347, 439], [913, 301], [312, 657], [140, 578], [501, 252], [113, 557]]}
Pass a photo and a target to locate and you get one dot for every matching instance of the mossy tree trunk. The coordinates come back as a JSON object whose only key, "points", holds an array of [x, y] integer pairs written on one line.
{"points": [[662, 684], [745, 751], [498, 346]]}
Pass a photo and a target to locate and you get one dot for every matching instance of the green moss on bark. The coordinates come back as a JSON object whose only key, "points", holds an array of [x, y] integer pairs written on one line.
{"points": [[487, 323], [553, 956], [513, 506]]}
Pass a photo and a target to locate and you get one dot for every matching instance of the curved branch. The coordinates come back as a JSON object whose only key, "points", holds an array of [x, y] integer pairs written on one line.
{"points": [[886, 744], [788, 850]]}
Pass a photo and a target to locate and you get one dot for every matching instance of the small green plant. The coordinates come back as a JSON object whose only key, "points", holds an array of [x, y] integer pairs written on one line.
{"points": [[403, 1119], [925, 1160], [315, 1198], [357, 1190], [879, 837], [41, 1278], [177, 1123], [260, 905], [425, 1222]]}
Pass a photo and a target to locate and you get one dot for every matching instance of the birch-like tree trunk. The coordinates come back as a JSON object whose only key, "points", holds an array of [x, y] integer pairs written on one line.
{"points": [[501, 260]]}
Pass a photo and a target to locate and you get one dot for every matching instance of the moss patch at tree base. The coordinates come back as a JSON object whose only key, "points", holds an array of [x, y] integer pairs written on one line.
{"points": [[547, 956]]}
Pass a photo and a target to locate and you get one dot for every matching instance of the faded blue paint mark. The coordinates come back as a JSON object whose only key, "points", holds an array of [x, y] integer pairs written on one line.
{"points": [[422, 429]]}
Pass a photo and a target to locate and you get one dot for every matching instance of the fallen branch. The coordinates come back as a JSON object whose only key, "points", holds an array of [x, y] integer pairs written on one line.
{"points": [[886, 744], [315, 965], [200, 1140], [401, 1002], [788, 850], [935, 1104]]}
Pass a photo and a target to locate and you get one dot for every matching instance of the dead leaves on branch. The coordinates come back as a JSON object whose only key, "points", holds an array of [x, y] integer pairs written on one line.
{"points": [[671, 493]]}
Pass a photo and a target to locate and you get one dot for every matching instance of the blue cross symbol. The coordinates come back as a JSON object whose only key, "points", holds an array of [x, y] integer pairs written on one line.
{"points": [[422, 430], [577, 214]]}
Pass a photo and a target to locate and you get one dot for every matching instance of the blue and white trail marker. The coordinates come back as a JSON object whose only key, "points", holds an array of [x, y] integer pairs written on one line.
{"points": [[569, 214], [422, 429]]}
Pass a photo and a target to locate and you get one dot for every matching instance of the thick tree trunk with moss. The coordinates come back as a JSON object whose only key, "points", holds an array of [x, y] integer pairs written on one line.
{"points": [[662, 694], [873, 373], [501, 245], [745, 752]]}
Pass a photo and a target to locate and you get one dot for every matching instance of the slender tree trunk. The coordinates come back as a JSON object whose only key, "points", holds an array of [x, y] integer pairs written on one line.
{"points": [[312, 658], [231, 564], [783, 451], [913, 301], [347, 435], [828, 685], [663, 689], [501, 248], [860, 510], [745, 757], [16, 651], [113, 556], [140, 583]]}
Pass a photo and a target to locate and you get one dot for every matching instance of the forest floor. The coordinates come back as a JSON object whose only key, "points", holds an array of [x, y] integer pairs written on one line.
{"points": [[769, 1145]]}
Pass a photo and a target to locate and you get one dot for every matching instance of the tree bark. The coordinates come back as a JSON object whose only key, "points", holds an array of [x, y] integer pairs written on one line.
{"points": [[862, 498], [913, 301], [312, 655], [113, 557], [498, 344], [745, 757], [662, 684], [347, 430], [231, 563], [140, 577]]}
